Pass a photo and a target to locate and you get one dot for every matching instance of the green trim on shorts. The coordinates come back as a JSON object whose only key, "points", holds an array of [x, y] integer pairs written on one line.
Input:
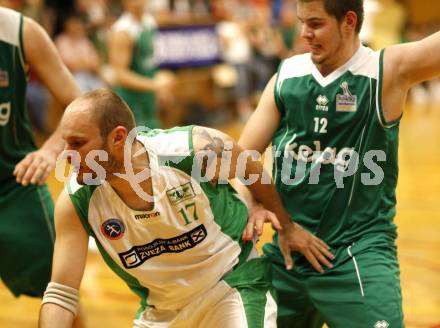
{"points": [[252, 280]]}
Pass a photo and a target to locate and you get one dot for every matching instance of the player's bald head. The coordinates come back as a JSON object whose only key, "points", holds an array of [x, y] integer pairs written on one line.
{"points": [[103, 108]]}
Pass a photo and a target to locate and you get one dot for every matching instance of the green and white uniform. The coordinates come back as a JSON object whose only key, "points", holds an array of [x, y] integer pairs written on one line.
{"points": [[185, 257], [26, 213], [142, 103], [325, 121]]}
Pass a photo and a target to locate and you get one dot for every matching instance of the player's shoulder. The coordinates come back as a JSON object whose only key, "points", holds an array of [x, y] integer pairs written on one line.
{"points": [[10, 26], [366, 62], [295, 66], [128, 24], [177, 141]]}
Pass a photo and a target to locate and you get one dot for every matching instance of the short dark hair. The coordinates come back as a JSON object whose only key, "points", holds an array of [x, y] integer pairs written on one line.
{"points": [[109, 110], [338, 9]]}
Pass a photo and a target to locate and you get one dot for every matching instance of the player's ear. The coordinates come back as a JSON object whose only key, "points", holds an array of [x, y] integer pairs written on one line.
{"points": [[350, 20], [118, 136]]}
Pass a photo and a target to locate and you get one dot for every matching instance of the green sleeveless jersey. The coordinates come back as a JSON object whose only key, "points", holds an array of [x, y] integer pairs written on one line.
{"points": [[335, 163], [16, 139], [143, 62]]}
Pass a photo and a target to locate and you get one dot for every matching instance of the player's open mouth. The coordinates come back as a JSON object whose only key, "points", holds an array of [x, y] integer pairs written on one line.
{"points": [[315, 48]]}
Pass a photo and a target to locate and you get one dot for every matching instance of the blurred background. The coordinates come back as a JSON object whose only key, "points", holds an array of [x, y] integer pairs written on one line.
{"points": [[222, 53]]}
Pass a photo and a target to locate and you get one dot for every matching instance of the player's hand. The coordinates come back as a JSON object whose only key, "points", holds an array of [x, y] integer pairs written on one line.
{"points": [[295, 238], [165, 83], [35, 167], [258, 215]]}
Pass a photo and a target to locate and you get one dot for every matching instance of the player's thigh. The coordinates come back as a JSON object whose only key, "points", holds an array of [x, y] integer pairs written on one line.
{"points": [[362, 292], [295, 309], [248, 308], [27, 237]]}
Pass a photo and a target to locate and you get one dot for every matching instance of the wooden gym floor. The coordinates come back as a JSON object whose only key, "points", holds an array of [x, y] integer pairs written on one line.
{"points": [[109, 303]]}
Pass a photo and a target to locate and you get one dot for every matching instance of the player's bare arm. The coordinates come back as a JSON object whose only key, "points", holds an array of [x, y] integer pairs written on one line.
{"points": [[404, 66], [261, 126], [68, 266], [120, 54], [292, 236], [257, 135], [42, 57]]}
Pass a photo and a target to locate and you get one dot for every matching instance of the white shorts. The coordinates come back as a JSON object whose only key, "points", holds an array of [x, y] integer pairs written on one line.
{"points": [[220, 307]]}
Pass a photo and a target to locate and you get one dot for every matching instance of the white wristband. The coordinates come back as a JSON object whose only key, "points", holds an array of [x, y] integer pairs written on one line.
{"points": [[62, 295]]}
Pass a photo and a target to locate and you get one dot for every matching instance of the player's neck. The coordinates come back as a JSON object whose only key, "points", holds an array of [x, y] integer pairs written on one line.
{"points": [[136, 15], [139, 200], [134, 184], [344, 54]]}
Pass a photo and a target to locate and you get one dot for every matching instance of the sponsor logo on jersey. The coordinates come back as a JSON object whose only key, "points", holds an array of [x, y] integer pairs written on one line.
{"points": [[381, 324], [113, 229], [4, 79], [5, 113], [330, 155], [346, 102], [181, 193], [137, 255], [322, 103], [146, 215]]}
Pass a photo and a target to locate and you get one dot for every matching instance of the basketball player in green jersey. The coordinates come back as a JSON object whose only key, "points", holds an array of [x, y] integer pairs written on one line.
{"points": [[26, 208], [332, 116], [174, 237], [131, 55]]}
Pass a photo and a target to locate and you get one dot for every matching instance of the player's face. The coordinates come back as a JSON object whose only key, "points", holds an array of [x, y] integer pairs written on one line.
{"points": [[83, 136], [322, 33], [136, 7]]}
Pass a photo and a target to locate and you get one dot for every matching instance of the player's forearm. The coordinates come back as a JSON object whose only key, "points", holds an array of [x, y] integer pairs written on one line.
{"points": [[266, 193], [244, 192], [52, 315], [55, 143], [131, 80]]}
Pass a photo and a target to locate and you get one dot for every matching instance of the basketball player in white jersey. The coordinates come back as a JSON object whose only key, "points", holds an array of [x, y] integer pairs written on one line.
{"points": [[174, 236]]}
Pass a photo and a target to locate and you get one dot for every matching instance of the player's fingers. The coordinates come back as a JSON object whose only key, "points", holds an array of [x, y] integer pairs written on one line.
{"points": [[44, 177], [38, 173], [44, 174], [285, 250], [260, 222], [30, 171], [41, 171], [320, 257], [322, 243], [249, 229], [272, 218], [324, 250], [21, 167], [313, 261]]}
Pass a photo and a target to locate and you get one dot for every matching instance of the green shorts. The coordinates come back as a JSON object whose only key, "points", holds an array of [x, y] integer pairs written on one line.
{"points": [[361, 290], [26, 238]]}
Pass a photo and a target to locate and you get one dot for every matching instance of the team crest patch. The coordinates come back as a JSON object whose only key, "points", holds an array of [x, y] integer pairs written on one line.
{"points": [[346, 102], [113, 229], [181, 193], [137, 255], [4, 79]]}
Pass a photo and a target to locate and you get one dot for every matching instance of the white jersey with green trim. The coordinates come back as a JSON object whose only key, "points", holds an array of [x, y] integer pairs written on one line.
{"points": [[185, 244]]}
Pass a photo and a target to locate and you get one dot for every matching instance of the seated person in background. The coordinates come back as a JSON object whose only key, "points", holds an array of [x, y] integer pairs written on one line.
{"points": [[79, 54], [166, 221]]}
